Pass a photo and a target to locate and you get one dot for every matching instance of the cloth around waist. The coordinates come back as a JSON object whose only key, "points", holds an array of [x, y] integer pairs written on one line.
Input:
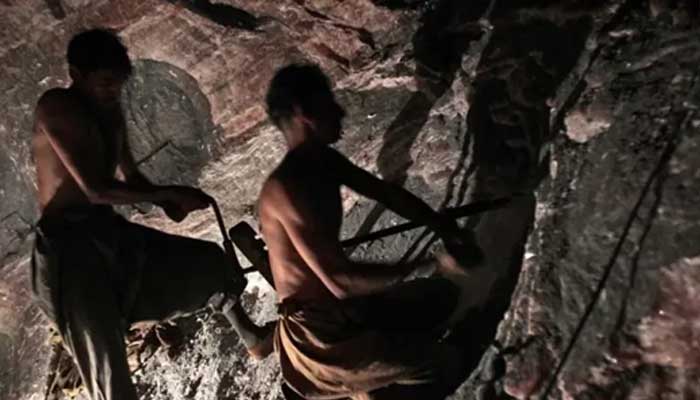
{"points": [[325, 313], [291, 306], [77, 219]]}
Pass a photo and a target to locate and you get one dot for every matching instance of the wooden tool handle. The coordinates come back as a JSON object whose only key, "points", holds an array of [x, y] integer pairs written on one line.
{"points": [[456, 212]]}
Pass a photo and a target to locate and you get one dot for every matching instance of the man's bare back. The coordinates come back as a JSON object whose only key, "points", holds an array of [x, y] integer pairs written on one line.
{"points": [[102, 142], [294, 279], [82, 154]]}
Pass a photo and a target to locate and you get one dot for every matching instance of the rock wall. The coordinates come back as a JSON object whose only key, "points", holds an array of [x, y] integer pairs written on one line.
{"points": [[616, 233], [591, 105]]}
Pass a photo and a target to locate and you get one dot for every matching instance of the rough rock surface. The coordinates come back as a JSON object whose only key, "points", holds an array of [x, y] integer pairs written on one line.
{"points": [[593, 105]]}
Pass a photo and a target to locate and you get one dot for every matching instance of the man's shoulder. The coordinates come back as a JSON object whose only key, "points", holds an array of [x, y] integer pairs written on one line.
{"points": [[58, 96], [275, 185], [272, 195], [315, 152], [290, 169], [62, 111], [313, 160], [283, 184], [59, 100]]}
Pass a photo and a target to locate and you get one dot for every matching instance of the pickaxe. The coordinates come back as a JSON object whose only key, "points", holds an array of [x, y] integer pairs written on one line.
{"points": [[243, 235]]}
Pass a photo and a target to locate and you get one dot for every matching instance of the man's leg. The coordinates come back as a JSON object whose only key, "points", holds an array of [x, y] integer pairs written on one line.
{"points": [[93, 329], [440, 377], [180, 276], [420, 305], [412, 315], [258, 340]]}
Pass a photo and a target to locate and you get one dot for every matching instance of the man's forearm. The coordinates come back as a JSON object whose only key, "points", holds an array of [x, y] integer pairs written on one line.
{"points": [[117, 192], [409, 206], [139, 180], [362, 279]]}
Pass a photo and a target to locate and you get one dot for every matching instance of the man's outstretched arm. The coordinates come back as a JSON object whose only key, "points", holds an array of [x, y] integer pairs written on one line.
{"points": [[394, 197], [129, 173]]}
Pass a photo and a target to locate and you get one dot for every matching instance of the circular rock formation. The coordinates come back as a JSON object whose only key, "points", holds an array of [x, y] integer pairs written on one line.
{"points": [[169, 122]]}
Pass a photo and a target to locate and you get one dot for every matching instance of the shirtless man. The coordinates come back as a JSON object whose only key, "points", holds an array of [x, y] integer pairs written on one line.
{"points": [[93, 272], [345, 328]]}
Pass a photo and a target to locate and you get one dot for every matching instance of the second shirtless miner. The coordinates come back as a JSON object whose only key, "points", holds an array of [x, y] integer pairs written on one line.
{"points": [[93, 272], [346, 329]]}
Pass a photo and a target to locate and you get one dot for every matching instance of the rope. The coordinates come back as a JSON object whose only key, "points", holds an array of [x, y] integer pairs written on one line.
{"points": [[663, 161]]}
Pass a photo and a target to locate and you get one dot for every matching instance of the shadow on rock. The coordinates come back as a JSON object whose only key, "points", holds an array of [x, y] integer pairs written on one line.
{"points": [[531, 50], [522, 67], [438, 52]]}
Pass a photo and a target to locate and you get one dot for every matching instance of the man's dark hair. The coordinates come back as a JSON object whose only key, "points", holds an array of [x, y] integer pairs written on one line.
{"points": [[293, 85], [98, 49]]}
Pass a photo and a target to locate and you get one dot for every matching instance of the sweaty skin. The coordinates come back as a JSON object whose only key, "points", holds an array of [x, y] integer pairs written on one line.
{"points": [[301, 220], [301, 212], [383, 341], [63, 121], [82, 157]]}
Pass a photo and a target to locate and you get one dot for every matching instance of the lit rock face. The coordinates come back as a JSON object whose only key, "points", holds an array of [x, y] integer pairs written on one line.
{"points": [[454, 101], [619, 200]]}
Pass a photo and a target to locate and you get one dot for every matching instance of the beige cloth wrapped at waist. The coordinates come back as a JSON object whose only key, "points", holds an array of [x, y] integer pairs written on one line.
{"points": [[326, 352]]}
